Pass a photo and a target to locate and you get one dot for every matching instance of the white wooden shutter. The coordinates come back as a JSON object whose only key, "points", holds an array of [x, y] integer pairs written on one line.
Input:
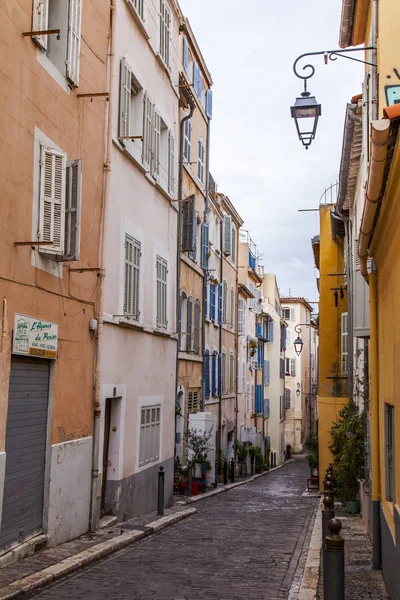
{"points": [[40, 21], [74, 41], [240, 315], [225, 302], [171, 164], [161, 275], [137, 7], [73, 201], [227, 239], [155, 146], [125, 98], [232, 307], [147, 131], [132, 277], [345, 337], [292, 314], [52, 200], [293, 367]]}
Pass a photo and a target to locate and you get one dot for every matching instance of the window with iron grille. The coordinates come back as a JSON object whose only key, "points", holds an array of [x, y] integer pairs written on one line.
{"points": [[161, 273], [193, 402], [165, 28], [132, 277], [149, 443], [389, 452]]}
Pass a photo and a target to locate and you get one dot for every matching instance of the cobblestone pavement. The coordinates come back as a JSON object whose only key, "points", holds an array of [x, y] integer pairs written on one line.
{"points": [[362, 582], [245, 544]]}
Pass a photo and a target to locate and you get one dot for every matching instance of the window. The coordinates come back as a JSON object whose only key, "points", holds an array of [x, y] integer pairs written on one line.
{"points": [[243, 389], [287, 366], [183, 319], [227, 239], [270, 331], [288, 395], [259, 399], [281, 407], [132, 277], [282, 368], [137, 6], [225, 302], [149, 450], [389, 450], [252, 301], [207, 374], [197, 81], [204, 245], [241, 315], [267, 409], [193, 402], [66, 16], [189, 225], [60, 192], [293, 367], [231, 371], [189, 324], [232, 308], [200, 161], [220, 292], [248, 398], [223, 372], [196, 340], [233, 251], [161, 294], [165, 28], [286, 313], [187, 139], [209, 103], [212, 302], [345, 337], [147, 131], [155, 147]]}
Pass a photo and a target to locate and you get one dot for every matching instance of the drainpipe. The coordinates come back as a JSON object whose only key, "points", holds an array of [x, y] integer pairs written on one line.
{"points": [[94, 508], [205, 278], [379, 143], [237, 362], [374, 395], [220, 344]]}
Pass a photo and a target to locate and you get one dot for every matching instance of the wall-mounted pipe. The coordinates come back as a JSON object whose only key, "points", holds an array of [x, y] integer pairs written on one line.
{"points": [[379, 143]]}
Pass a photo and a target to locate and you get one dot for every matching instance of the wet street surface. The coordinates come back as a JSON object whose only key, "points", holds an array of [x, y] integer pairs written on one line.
{"points": [[246, 544]]}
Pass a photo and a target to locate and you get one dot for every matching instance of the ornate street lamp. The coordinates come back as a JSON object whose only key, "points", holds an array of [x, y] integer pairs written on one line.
{"points": [[306, 109], [298, 345]]}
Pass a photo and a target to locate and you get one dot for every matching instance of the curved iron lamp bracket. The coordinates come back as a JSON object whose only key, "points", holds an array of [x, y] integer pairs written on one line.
{"points": [[328, 55]]}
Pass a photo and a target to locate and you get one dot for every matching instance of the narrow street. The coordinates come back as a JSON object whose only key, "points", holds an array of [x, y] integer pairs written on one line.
{"points": [[241, 545]]}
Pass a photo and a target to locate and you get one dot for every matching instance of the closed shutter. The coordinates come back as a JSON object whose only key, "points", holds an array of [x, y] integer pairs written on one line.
{"points": [[73, 200], [259, 403], [189, 324], [189, 225], [214, 373], [74, 41], [231, 372], [293, 367], [40, 21], [205, 244], [147, 131], [220, 374], [196, 345], [132, 277], [26, 436], [171, 164], [212, 302], [52, 200], [155, 155], [225, 302], [232, 308], [209, 99], [233, 245], [207, 373], [266, 408], [180, 320], [240, 315], [161, 274], [185, 53], [196, 78], [125, 98], [220, 303], [227, 237]]}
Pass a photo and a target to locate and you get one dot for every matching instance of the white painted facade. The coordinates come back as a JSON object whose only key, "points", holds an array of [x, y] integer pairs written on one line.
{"points": [[140, 335]]}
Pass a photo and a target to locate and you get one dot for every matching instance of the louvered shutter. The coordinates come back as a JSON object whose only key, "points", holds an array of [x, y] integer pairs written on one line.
{"points": [[171, 164], [196, 345], [266, 408], [196, 76], [189, 324], [259, 357], [155, 146], [207, 373], [40, 21], [209, 99], [225, 302], [147, 131], [124, 98], [74, 41], [292, 314], [220, 303], [189, 224], [132, 277], [265, 373], [73, 200], [232, 308], [271, 331], [52, 200], [227, 237], [259, 403], [244, 316], [214, 373], [233, 245], [161, 292], [179, 320], [219, 374], [212, 302], [185, 53], [240, 315], [205, 244], [293, 367]]}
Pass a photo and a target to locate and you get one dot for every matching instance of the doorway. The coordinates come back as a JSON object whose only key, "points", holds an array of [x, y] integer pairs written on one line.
{"points": [[105, 458]]}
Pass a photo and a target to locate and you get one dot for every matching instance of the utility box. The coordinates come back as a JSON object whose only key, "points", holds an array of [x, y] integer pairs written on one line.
{"points": [[206, 421]]}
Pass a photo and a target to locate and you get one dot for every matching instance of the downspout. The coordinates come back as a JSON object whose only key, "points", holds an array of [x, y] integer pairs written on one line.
{"points": [[220, 343], [205, 278], [94, 515], [379, 143], [375, 448], [237, 358]]}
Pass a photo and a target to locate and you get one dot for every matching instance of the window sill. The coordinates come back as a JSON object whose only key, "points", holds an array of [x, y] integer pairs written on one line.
{"points": [[125, 150], [165, 193], [189, 356], [188, 170], [192, 264], [161, 332]]}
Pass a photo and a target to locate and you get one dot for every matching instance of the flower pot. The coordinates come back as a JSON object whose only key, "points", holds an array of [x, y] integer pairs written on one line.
{"points": [[352, 506], [197, 471], [314, 472], [195, 488]]}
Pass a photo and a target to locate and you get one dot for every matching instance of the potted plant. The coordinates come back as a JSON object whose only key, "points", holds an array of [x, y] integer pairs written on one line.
{"points": [[348, 451], [241, 453], [252, 454], [311, 447], [253, 346], [198, 445]]}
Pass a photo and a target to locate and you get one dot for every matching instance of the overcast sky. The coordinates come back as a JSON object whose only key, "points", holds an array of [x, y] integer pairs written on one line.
{"points": [[256, 157]]}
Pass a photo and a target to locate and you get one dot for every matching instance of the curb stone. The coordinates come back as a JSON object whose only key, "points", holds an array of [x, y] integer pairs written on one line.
{"points": [[68, 565], [230, 486], [309, 583]]}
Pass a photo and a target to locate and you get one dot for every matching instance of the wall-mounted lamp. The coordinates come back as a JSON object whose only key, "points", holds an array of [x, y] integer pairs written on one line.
{"points": [[298, 391]]}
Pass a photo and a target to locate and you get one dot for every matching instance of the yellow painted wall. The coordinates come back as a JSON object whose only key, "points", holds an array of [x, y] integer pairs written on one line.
{"points": [[332, 393]]}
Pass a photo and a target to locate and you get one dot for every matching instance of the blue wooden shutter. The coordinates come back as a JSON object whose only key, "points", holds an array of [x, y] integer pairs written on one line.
{"points": [[259, 406], [219, 375], [205, 243], [207, 373], [259, 357], [185, 53], [189, 324], [212, 302], [179, 320], [214, 373], [271, 331], [209, 104], [196, 75], [220, 303]]}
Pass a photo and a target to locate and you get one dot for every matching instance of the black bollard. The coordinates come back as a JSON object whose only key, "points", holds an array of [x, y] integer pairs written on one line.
{"points": [[328, 513], [225, 472], [232, 470], [160, 507], [189, 480], [334, 563]]}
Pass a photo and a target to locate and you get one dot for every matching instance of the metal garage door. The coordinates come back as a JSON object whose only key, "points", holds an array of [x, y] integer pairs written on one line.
{"points": [[25, 450]]}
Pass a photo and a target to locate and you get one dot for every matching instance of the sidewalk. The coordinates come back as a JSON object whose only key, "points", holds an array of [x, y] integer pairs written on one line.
{"points": [[362, 582]]}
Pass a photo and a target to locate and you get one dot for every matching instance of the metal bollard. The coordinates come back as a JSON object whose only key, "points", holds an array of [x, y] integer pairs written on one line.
{"points": [[334, 563], [232, 470], [328, 513], [189, 480], [160, 507], [225, 472]]}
